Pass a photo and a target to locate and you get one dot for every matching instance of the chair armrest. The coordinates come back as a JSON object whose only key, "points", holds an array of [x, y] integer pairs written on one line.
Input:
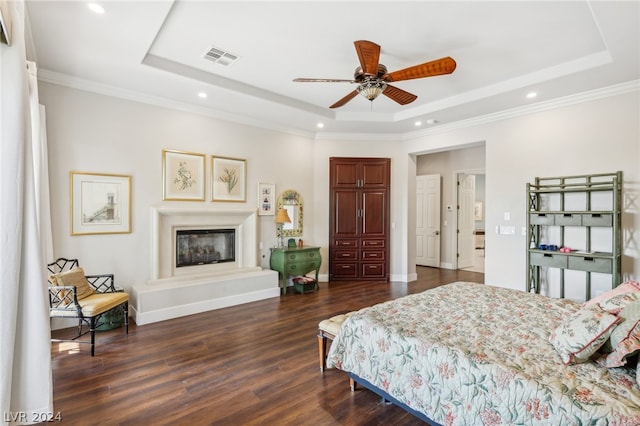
{"points": [[63, 298], [103, 283]]}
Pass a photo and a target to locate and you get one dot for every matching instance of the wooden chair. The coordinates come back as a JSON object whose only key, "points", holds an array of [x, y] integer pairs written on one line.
{"points": [[72, 294]]}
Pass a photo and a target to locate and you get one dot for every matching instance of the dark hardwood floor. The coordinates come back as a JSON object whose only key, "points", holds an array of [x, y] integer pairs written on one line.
{"points": [[253, 364]]}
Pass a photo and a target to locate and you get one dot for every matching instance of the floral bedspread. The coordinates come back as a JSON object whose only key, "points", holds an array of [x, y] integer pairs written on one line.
{"points": [[467, 354]]}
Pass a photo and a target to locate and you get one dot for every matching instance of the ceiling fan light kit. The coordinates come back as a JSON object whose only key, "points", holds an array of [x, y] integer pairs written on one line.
{"points": [[372, 77], [371, 88]]}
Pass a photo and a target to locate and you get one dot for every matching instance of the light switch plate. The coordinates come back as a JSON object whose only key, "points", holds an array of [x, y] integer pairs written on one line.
{"points": [[507, 230]]}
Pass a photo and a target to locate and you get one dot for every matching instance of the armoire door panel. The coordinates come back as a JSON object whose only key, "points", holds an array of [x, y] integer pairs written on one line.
{"points": [[375, 174], [345, 214], [374, 213], [345, 173]]}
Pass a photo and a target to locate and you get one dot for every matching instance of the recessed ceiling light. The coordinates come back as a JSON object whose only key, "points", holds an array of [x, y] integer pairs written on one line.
{"points": [[202, 95], [320, 125], [531, 95], [95, 7], [431, 121], [418, 123]]}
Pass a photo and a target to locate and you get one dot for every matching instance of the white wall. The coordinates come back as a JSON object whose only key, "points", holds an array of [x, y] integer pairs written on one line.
{"points": [[598, 136], [95, 133]]}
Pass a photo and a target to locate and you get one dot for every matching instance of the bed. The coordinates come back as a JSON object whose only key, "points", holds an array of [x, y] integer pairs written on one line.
{"points": [[467, 353]]}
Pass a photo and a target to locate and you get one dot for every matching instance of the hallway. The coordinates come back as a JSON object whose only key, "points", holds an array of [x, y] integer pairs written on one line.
{"points": [[478, 262]]}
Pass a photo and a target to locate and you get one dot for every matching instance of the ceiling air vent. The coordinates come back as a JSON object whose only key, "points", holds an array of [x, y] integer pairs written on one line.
{"points": [[220, 56]]}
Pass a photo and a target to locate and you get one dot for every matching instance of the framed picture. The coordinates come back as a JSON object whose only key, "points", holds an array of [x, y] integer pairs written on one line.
{"points": [[266, 199], [229, 179], [183, 176], [100, 203]]}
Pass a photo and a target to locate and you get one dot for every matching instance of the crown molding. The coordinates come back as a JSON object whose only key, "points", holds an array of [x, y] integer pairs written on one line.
{"points": [[60, 79], [113, 91], [604, 92]]}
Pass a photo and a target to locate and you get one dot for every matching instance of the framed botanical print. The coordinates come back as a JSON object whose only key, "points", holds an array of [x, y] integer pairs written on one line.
{"points": [[228, 179], [183, 176], [266, 199], [100, 203]]}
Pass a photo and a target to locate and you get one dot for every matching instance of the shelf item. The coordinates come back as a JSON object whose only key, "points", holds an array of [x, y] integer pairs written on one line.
{"points": [[359, 218], [580, 202]]}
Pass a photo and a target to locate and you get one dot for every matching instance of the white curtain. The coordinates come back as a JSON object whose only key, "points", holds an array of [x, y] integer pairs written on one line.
{"points": [[26, 386]]}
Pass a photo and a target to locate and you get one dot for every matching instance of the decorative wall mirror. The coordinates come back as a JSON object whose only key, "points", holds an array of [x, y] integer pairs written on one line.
{"points": [[291, 201]]}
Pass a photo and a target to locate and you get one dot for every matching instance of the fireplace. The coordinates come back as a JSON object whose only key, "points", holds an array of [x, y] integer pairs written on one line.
{"points": [[167, 221], [202, 258], [196, 247]]}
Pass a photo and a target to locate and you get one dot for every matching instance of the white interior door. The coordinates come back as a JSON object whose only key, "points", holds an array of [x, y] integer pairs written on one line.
{"points": [[428, 220], [466, 224]]}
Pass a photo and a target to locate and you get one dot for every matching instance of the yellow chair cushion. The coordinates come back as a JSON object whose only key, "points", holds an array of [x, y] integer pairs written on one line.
{"points": [[334, 324], [74, 277], [93, 305], [101, 302]]}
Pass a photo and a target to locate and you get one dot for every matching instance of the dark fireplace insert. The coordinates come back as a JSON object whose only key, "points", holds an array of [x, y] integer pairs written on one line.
{"points": [[205, 246]]}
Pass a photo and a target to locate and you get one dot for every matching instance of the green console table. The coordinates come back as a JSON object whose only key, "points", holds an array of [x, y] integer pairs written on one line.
{"points": [[294, 261]]}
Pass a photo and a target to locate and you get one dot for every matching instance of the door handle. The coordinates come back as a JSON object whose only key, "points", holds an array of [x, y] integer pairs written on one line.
{"points": [[437, 232]]}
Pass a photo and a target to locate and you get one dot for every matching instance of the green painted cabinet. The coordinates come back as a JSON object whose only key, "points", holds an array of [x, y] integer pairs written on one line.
{"points": [[294, 261]]}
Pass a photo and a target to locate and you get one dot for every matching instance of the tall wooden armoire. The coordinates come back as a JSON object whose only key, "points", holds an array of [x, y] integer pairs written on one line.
{"points": [[359, 218]]}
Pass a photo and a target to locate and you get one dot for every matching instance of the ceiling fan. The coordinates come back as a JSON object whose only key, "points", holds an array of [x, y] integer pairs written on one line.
{"points": [[373, 79]]}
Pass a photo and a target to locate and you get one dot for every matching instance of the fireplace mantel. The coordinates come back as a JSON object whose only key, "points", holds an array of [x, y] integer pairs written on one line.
{"points": [[172, 292], [165, 219]]}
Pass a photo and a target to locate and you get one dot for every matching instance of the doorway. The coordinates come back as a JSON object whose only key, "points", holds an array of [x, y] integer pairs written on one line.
{"points": [[471, 205], [469, 160], [428, 207]]}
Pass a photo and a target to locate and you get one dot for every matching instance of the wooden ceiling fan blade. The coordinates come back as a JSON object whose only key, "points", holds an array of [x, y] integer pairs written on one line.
{"points": [[369, 56], [345, 99], [429, 69], [322, 80], [400, 96]]}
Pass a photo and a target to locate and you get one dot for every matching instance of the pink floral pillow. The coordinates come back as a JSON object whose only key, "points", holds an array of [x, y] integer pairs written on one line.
{"points": [[625, 338], [615, 300], [580, 335]]}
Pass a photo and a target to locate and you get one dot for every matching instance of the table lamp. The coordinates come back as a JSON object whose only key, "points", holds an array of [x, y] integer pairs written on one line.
{"points": [[281, 218]]}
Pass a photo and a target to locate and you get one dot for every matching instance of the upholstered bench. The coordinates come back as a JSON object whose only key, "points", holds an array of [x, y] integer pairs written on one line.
{"points": [[328, 329]]}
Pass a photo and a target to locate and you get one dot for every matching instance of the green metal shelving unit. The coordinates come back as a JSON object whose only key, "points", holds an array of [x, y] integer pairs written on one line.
{"points": [[542, 214]]}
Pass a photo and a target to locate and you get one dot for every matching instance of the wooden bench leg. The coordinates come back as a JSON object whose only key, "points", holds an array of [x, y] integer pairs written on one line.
{"points": [[322, 351], [323, 336]]}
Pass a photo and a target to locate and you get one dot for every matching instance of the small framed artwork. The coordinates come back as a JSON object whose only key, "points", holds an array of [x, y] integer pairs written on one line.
{"points": [[183, 177], [266, 199], [100, 203], [229, 179]]}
